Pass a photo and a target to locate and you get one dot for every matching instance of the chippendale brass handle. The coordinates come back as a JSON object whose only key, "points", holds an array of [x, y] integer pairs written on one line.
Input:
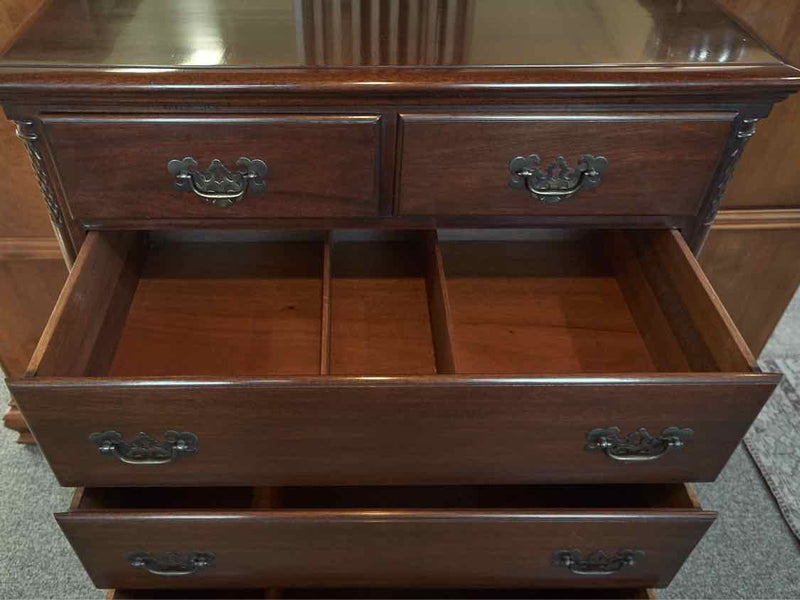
{"points": [[558, 181], [143, 449], [173, 564], [597, 563], [637, 446], [217, 185]]}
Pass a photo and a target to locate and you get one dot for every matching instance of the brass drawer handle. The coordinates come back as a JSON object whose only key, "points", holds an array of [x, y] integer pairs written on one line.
{"points": [[637, 446], [173, 564], [217, 185], [144, 449], [597, 563], [558, 181]]}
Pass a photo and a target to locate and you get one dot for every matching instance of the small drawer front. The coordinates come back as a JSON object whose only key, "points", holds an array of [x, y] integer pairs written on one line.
{"points": [[596, 164], [216, 167], [419, 546]]}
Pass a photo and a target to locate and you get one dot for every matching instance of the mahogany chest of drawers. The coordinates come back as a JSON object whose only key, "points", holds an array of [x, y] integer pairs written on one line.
{"points": [[383, 294]]}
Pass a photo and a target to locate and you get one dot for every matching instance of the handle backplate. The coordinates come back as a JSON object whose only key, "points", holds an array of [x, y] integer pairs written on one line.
{"points": [[597, 563], [173, 564], [558, 181], [637, 446], [143, 449], [217, 185]]}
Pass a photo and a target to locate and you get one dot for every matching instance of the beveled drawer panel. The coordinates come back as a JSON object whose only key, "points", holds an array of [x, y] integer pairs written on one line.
{"points": [[476, 358], [315, 166], [653, 164], [414, 537]]}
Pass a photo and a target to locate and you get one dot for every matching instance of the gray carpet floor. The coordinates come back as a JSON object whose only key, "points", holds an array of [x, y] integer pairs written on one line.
{"points": [[748, 553]]}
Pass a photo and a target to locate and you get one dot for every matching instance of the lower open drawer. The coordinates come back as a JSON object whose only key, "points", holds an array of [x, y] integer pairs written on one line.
{"points": [[496, 536], [386, 358]]}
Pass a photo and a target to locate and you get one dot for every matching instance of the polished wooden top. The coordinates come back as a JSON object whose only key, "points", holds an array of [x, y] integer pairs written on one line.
{"points": [[347, 33], [366, 49]]}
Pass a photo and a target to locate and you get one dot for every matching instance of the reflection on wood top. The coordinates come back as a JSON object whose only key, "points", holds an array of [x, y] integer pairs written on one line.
{"points": [[353, 33]]}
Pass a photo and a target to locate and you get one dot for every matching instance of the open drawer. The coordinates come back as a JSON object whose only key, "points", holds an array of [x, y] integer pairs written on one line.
{"points": [[368, 358], [492, 536]]}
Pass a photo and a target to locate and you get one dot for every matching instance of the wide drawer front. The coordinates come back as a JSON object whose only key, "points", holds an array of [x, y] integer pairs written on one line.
{"points": [[412, 537], [595, 359], [216, 167], [558, 164]]}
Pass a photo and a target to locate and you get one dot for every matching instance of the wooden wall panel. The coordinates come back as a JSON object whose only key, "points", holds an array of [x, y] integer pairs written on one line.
{"points": [[32, 269], [767, 174], [753, 261]]}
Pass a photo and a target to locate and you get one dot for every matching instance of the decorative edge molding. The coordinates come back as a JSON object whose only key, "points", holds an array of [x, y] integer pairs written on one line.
{"points": [[742, 130], [783, 218], [38, 248], [26, 131]]}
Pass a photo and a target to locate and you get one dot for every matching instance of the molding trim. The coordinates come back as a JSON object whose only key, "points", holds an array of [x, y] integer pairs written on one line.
{"points": [[787, 218], [34, 248], [743, 129], [27, 133]]}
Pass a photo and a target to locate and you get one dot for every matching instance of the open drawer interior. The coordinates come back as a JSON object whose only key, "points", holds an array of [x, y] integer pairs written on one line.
{"points": [[354, 303], [454, 498]]}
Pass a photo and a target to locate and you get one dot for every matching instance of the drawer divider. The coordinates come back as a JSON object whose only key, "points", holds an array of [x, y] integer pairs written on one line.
{"points": [[325, 321], [439, 306]]}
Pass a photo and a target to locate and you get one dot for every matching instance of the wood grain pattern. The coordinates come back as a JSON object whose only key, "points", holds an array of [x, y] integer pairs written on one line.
{"points": [[539, 307], [458, 164], [32, 270], [751, 261], [380, 323], [482, 538], [69, 338], [704, 306], [319, 166], [355, 430], [778, 139], [226, 309], [29, 287], [352, 34], [439, 306]]}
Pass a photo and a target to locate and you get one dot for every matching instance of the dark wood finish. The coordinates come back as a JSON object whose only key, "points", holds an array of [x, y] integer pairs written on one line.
{"points": [[348, 430], [458, 165], [319, 166], [338, 365], [148, 34], [595, 594], [751, 259], [480, 537], [265, 48]]}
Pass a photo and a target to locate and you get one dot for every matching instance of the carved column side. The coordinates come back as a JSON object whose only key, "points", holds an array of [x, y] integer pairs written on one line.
{"points": [[742, 130], [26, 131]]}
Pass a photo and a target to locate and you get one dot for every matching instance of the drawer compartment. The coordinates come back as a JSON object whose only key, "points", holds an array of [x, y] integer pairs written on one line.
{"points": [[496, 536], [117, 167], [379, 358], [656, 164]]}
